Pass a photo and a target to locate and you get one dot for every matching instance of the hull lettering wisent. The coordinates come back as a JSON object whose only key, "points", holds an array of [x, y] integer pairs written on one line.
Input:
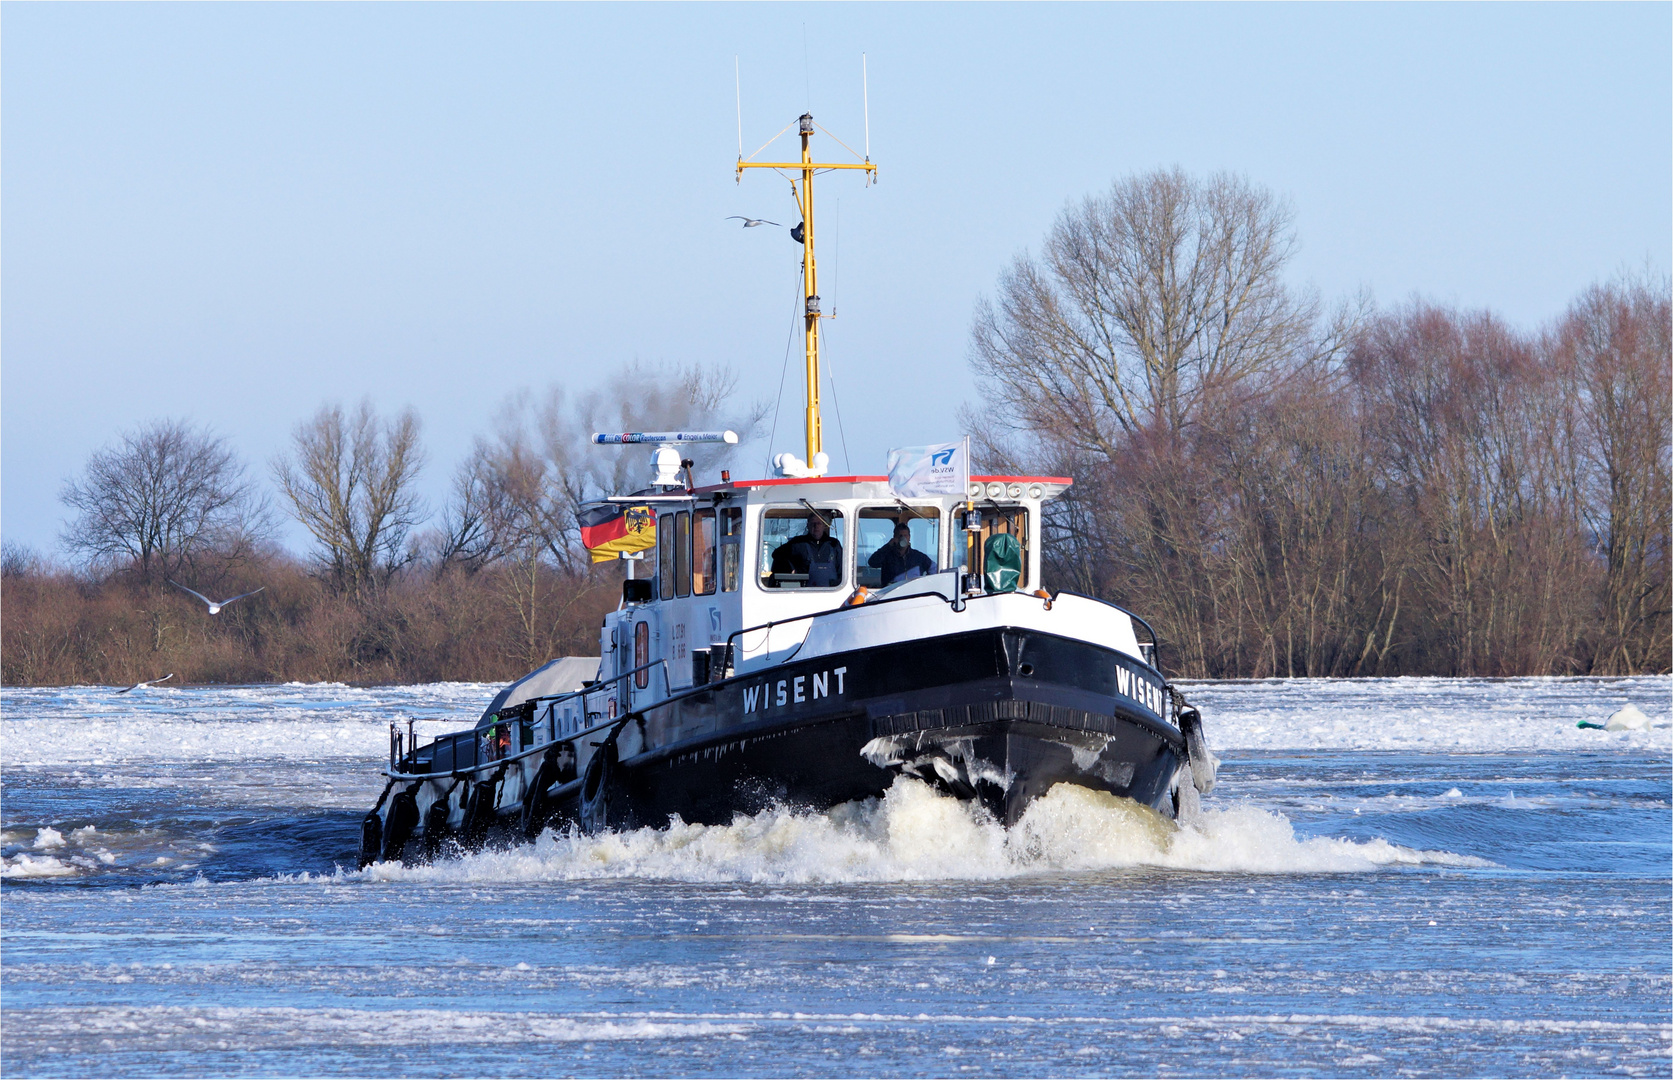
{"points": [[807, 640], [797, 690]]}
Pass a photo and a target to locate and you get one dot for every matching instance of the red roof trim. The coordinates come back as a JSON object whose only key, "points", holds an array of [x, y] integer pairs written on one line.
{"points": [[787, 480], [805, 480]]}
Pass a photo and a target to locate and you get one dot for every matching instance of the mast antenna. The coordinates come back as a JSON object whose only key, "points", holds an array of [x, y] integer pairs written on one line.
{"points": [[865, 96], [738, 81], [816, 459]]}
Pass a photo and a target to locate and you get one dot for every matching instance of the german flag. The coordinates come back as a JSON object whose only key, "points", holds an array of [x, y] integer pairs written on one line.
{"points": [[612, 527]]}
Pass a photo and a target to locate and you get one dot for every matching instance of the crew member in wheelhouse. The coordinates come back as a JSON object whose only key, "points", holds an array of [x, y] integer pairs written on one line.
{"points": [[900, 559], [814, 553]]}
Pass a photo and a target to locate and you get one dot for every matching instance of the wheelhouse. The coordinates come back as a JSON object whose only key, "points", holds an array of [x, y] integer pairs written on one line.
{"points": [[742, 555]]}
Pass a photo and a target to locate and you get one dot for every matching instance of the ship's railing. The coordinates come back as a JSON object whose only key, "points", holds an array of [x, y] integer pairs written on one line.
{"points": [[959, 600], [522, 714], [403, 768], [957, 604], [846, 605]]}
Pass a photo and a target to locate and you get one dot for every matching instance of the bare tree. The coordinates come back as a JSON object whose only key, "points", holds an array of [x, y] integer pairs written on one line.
{"points": [[1614, 347], [19, 560], [525, 483], [1143, 301], [1465, 421], [161, 498], [1150, 308], [349, 481], [516, 498]]}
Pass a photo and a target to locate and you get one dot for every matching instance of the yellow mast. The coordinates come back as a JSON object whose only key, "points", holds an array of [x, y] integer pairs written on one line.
{"points": [[810, 269]]}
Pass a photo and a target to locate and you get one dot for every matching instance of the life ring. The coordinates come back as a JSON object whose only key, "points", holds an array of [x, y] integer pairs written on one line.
{"points": [[595, 788]]}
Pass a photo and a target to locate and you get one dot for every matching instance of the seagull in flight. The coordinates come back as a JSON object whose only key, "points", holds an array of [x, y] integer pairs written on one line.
{"points": [[151, 682], [751, 222], [215, 606]]}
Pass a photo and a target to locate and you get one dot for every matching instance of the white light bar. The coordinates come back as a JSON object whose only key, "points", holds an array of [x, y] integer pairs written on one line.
{"points": [[665, 438]]}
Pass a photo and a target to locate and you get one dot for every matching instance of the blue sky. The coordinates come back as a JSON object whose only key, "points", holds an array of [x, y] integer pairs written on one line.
{"points": [[234, 213]]}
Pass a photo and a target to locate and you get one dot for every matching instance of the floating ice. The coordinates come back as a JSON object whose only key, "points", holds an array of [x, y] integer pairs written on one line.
{"points": [[1430, 714], [80, 725], [24, 865], [281, 1028]]}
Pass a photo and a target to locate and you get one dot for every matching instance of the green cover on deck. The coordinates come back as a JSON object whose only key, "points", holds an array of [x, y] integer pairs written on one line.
{"points": [[1002, 563]]}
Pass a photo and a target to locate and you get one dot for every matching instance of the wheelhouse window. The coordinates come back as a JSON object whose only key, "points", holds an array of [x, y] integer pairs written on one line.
{"points": [[731, 547], [896, 543], [665, 555], [998, 547], [642, 654], [801, 548], [682, 553], [703, 553]]}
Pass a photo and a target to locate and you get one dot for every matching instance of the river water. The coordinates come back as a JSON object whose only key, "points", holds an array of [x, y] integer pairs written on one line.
{"points": [[1393, 877]]}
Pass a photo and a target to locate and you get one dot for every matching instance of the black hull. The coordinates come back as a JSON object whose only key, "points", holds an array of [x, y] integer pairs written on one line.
{"points": [[997, 715]]}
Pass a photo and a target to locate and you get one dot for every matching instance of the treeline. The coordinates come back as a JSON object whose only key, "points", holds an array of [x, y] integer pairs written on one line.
{"points": [[484, 587], [431, 622], [1285, 491], [1280, 489]]}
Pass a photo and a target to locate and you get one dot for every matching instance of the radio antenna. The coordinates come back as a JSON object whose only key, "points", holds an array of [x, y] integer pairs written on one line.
{"points": [[738, 81], [865, 96]]}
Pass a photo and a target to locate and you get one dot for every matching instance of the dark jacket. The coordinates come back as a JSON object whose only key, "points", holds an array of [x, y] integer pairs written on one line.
{"points": [[820, 560], [895, 562]]}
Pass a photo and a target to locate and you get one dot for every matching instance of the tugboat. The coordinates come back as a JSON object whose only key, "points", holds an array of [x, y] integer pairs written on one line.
{"points": [[804, 640]]}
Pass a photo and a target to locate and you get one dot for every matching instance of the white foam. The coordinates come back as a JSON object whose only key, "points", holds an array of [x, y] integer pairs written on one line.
{"points": [[916, 834]]}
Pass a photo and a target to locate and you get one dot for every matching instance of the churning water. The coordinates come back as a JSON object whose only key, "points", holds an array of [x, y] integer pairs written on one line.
{"points": [[1411, 876]]}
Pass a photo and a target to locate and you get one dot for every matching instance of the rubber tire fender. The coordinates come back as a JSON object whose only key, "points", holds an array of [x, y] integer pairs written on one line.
{"points": [[371, 839], [435, 825], [1203, 765], [535, 808], [479, 810], [398, 827], [595, 788]]}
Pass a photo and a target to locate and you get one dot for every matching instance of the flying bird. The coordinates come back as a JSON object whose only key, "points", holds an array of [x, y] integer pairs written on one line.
{"points": [[751, 222], [152, 682], [215, 606]]}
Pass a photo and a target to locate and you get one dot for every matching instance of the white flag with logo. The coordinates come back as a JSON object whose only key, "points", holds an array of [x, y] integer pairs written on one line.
{"points": [[937, 469]]}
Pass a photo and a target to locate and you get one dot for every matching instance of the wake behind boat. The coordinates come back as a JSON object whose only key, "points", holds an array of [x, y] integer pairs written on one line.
{"points": [[803, 640]]}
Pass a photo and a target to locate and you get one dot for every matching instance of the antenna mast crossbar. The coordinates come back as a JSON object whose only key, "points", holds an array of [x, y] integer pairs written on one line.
{"points": [[810, 270]]}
